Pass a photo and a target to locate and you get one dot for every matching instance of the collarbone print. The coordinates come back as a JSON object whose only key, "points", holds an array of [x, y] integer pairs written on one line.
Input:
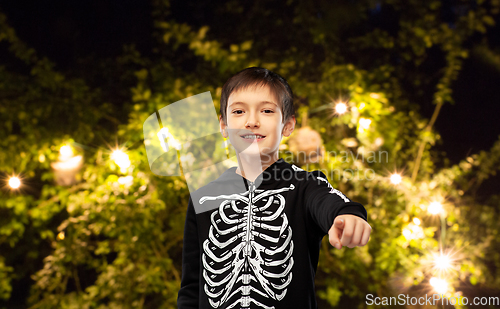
{"points": [[249, 249]]}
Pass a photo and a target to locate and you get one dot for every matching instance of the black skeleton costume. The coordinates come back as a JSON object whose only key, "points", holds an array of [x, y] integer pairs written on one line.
{"points": [[257, 246]]}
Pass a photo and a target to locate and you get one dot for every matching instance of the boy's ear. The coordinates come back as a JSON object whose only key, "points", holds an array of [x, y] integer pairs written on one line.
{"points": [[223, 126], [289, 126]]}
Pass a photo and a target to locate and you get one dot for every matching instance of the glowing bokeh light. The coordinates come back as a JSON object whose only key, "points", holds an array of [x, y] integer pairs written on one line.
{"points": [[65, 152], [396, 179], [435, 208], [69, 164], [14, 182], [442, 262], [121, 159], [413, 231], [364, 123], [340, 108], [407, 233], [439, 285], [127, 181]]}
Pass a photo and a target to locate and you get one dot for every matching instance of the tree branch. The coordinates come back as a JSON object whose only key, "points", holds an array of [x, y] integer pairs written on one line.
{"points": [[422, 143]]}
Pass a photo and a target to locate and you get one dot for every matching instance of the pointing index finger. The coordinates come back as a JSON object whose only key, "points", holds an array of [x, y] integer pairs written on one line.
{"points": [[348, 232]]}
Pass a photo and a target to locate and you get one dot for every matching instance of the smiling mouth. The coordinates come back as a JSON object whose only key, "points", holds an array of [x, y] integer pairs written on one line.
{"points": [[253, 136]]}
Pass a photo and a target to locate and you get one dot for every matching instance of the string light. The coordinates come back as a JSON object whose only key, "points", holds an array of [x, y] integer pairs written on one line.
{"points": [[67, 166], [364, 123], [442, 262], [14, 182], [340, 108], [440, 285], [121, 159], [72, 163], [396, 179], [435, 208], [65, 153]]}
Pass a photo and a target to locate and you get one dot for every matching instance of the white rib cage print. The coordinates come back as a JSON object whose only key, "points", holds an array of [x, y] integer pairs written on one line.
{"points": [[249, 249]]}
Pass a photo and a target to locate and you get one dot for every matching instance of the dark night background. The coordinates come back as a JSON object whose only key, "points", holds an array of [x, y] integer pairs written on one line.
{"points": [[73, 33], [67, 31]]}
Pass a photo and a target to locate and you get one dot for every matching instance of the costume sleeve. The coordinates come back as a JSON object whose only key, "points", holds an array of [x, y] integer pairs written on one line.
{"points": [[325, 203], [188, 296]]}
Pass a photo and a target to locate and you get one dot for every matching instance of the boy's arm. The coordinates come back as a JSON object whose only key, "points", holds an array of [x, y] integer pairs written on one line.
{"points": [[188, 296], [325, 203]]}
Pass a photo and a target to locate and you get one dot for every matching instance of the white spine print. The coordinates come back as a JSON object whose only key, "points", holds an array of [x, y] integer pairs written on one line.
{"points": [[249, 249]]}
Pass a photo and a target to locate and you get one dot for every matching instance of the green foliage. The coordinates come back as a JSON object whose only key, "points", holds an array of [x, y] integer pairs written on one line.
{"points": [[5, 278], [113, 239]]}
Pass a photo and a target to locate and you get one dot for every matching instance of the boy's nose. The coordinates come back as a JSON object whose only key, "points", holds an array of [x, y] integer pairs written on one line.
{"points": [[252, 123]]}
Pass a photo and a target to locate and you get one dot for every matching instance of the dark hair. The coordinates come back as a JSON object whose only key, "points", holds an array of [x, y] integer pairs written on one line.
{"points": [[255, 76]]}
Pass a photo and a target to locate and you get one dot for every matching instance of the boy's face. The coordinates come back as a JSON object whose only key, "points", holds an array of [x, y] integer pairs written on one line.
{"points": [[251, 111]]}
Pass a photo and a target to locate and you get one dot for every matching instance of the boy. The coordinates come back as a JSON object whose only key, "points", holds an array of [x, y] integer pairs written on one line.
{"points": [[258, 245]]}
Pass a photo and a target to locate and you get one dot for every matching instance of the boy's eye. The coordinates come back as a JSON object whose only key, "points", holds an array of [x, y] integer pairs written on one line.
{"points": [[239, 112]]}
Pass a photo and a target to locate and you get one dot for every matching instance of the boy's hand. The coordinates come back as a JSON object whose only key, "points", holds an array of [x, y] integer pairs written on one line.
{"points": [[353, 230]]}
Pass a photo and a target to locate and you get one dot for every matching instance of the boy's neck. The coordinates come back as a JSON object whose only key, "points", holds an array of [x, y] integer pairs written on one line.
{"points": [[251, 167]]}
